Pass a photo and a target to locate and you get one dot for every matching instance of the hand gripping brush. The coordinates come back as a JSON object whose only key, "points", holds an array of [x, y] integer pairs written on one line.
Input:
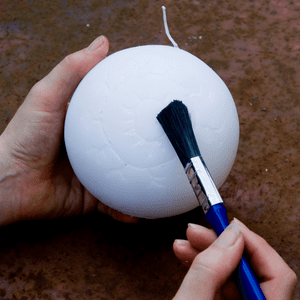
{"points": [[176, 122]]}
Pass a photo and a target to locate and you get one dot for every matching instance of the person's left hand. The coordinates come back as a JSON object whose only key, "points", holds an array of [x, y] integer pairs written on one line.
{"points": [[36, 178]]}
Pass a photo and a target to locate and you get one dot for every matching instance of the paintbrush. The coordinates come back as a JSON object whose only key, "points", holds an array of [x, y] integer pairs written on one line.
{"points": [[176, 122]]}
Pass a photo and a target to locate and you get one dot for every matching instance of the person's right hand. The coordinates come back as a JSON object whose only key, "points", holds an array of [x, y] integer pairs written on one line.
{"points": [[212, 261]]}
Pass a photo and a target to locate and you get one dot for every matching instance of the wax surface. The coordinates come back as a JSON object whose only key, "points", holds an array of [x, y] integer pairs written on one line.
{"points": [[118, 149]]}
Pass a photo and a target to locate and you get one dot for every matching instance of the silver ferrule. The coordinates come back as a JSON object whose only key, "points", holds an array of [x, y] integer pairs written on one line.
{"points": [[202, 182]]}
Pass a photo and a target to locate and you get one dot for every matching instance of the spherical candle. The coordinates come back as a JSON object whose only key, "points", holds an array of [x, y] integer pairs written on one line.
{"points": [[118, 149]]}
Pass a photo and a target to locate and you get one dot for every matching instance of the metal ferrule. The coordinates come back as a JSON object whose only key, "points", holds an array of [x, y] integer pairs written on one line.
{"points": [[202, 182]]}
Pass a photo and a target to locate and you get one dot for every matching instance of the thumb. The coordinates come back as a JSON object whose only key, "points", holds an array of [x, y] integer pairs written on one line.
{"points": [[213, 267], [52, 92]]}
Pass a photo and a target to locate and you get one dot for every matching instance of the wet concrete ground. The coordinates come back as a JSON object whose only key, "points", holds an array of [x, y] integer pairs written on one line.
{"points": [[253, 45]]}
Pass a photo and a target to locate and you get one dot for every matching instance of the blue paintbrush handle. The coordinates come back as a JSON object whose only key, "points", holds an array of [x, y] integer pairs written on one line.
{"points": [[247, 283]]}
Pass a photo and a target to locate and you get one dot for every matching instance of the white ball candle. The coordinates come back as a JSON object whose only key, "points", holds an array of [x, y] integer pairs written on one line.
{"points": [[117, 148]]}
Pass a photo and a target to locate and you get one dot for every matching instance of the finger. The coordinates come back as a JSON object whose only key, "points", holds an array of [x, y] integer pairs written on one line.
{"points": [[200, 237], [184, 251], [213, 267], [278, 279], [117, 215], [52, 93]]}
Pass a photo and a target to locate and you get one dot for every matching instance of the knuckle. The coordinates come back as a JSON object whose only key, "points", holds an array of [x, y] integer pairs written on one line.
{"points": [[287, 276], [261, 240], [73, 66], [69, 59], [72, 60], [208, 264], [292, 277], [39, 89]]}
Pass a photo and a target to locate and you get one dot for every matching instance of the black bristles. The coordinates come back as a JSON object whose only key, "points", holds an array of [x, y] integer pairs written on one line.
{"points": [[176, 122]]}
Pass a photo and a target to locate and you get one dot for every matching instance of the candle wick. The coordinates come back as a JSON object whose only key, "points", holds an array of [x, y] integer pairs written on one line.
{"points": [[167, 29]]}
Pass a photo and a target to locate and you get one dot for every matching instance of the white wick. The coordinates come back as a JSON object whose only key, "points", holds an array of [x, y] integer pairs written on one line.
{"points": [[167, 29]]}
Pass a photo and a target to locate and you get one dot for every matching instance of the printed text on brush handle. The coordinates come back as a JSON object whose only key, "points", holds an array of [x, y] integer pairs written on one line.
{"points": [[201, 181]]}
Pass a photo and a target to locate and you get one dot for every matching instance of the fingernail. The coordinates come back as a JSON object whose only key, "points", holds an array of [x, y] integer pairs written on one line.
{"points": [[181, 242], [229, 236], [192, 225], [96, 43], [197, 227], [237, 221]]}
